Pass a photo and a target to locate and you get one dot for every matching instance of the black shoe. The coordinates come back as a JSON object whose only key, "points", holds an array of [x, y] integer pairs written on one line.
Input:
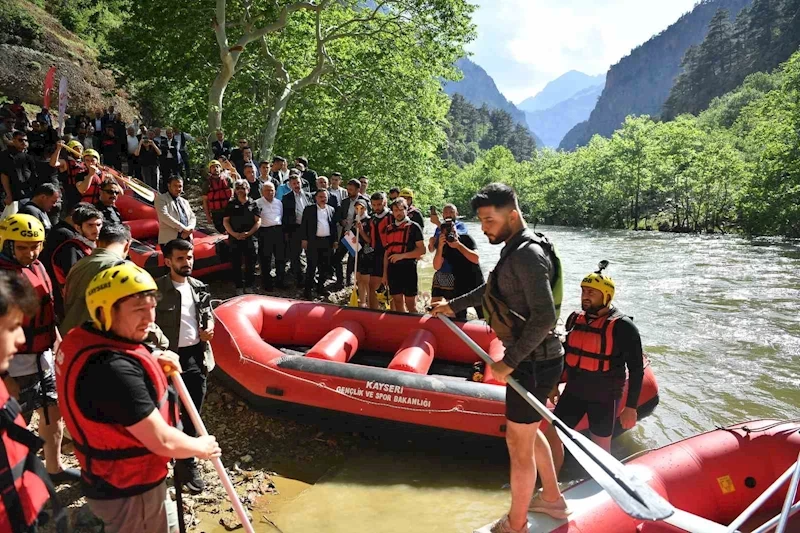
{"points": [[68, 475], [188, 474]]}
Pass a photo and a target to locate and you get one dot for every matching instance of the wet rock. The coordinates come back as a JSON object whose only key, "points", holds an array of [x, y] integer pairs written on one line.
{"points": [[86, 520]]}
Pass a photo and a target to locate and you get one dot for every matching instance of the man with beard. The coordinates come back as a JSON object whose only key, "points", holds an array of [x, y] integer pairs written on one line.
{"points": [[403, 247], [596, 367], [522, 301], [380, 219], [184, 315], [113, 244], [109, 192], [87, 222]]}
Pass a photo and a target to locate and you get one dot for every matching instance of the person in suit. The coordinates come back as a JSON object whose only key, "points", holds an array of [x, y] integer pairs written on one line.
{"points": [[170, 158], [333, 199], [294, 202], [318, 230], [176, 220], [345, 216], [309, 176], [221, 147]]}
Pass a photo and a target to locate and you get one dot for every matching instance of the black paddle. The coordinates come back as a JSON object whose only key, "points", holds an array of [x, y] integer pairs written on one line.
{"points": [[632, 495]]}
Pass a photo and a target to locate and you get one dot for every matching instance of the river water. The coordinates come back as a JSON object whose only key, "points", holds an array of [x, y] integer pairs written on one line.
{"points": [[718, 316]]}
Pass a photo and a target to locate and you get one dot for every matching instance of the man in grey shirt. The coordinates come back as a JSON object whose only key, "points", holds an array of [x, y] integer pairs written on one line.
{"points": [[521, 299]]}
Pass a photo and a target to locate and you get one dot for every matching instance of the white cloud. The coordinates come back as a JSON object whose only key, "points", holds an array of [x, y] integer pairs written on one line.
{"points": [[523, 44]]}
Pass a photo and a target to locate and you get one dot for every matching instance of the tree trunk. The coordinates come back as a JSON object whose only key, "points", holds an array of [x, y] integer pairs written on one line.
{"points": [[216, 93], [274, 121]]}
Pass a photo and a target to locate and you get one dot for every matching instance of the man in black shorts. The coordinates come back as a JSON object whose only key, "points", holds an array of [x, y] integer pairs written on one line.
{"points": [[596, 369], [521, 302], [403, 246]]}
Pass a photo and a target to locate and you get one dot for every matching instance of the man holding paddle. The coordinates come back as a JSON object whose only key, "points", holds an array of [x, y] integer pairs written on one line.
{"points": [[119, 408], [521, 301]]}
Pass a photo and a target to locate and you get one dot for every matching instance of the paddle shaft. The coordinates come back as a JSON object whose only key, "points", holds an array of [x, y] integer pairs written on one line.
{"points": [[138, 189], [188, 404], [633, 496]]}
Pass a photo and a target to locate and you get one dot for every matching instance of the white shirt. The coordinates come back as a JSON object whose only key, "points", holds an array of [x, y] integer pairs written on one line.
{"points": [[133, 144], [300, 203], [271, 212], [340, 193], [189, 334], [323, 226], [351, 212]]}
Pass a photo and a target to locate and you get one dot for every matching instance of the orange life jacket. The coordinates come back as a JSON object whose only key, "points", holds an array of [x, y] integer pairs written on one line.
{"points": [[590, 341], [112, 460], [396, 237], [219, 193], [377, 230], [25, 486], [40, 330]]}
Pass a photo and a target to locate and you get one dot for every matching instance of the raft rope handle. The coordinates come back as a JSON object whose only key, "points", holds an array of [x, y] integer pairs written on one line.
{"points": [[748, 431], [457, 408]]}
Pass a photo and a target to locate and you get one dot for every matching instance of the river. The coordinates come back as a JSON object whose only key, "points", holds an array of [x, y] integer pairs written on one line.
{"points": [[718, 316]]}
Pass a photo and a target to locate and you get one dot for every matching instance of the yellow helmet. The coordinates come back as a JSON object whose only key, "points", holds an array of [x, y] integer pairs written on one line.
{"points": [[92, 153], [75, 145], [213, 162], [601, 282], [112, 285], [21, 227]]}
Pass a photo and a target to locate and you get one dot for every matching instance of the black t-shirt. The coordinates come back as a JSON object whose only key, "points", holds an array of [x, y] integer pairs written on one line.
{"points": [[21, 169], [115, 390], [242, 215], [416, 216], [467, 274], [148, 156], [593, 386], [27, 207], [255, 189]]}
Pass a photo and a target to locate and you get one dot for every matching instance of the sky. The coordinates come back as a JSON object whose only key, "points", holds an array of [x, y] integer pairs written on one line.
{"points": [[523, 44]]}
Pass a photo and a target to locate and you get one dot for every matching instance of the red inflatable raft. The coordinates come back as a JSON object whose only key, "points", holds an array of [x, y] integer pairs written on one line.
{"points": [[141, 216], [709, 478], [392, 366]]}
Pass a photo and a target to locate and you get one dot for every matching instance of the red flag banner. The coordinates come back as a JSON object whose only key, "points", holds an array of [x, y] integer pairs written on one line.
{"points": [[49, 79]]}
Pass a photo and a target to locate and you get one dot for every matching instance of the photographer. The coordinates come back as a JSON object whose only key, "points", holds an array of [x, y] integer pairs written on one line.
{"points": [[456, 262], [148, 153]]}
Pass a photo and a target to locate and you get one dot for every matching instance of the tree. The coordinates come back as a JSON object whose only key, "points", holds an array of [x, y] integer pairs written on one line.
{"points": [[280, 48]]}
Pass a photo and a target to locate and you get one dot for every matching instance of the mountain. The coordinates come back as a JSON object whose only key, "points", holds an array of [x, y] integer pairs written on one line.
{"points": [[479, 89], [640, 83], [560, 89], [553, 123]]}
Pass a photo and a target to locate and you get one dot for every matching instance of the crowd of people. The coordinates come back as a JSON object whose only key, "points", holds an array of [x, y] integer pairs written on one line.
{"points": [[94, 337]]}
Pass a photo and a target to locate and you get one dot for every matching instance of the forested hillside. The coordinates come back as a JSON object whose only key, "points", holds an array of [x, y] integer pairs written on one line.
{"points": [[762, 36], [471, 130], [736, 166], [640, 83], [553, 123]]}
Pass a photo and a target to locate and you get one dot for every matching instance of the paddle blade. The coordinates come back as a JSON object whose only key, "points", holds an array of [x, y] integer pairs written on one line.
{"points": [[353, 299], [635, 497]]}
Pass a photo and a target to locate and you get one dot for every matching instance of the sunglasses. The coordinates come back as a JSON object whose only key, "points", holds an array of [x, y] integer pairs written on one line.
{"points": [[112, 192]]}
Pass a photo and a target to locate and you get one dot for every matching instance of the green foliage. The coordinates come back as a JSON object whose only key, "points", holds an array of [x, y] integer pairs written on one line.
{"points": [[763, 36], [735, 166], [470, 130], [19, 26], [92, 20]]}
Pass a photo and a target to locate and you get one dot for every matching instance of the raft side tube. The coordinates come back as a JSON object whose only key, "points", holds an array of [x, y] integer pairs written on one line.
{"points": [[339, 344], [416, 353]]}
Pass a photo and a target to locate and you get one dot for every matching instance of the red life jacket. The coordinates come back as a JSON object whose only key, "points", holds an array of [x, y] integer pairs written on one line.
{"points": [[396, 237], [25, 486], [590, 341], [377, 230], [75, 170], [112, 460], [219, 193], [92, 194], [61, 276], [40, 330]]}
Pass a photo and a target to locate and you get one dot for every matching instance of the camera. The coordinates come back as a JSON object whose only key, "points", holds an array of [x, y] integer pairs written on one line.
{"points": [[449, 230]]}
